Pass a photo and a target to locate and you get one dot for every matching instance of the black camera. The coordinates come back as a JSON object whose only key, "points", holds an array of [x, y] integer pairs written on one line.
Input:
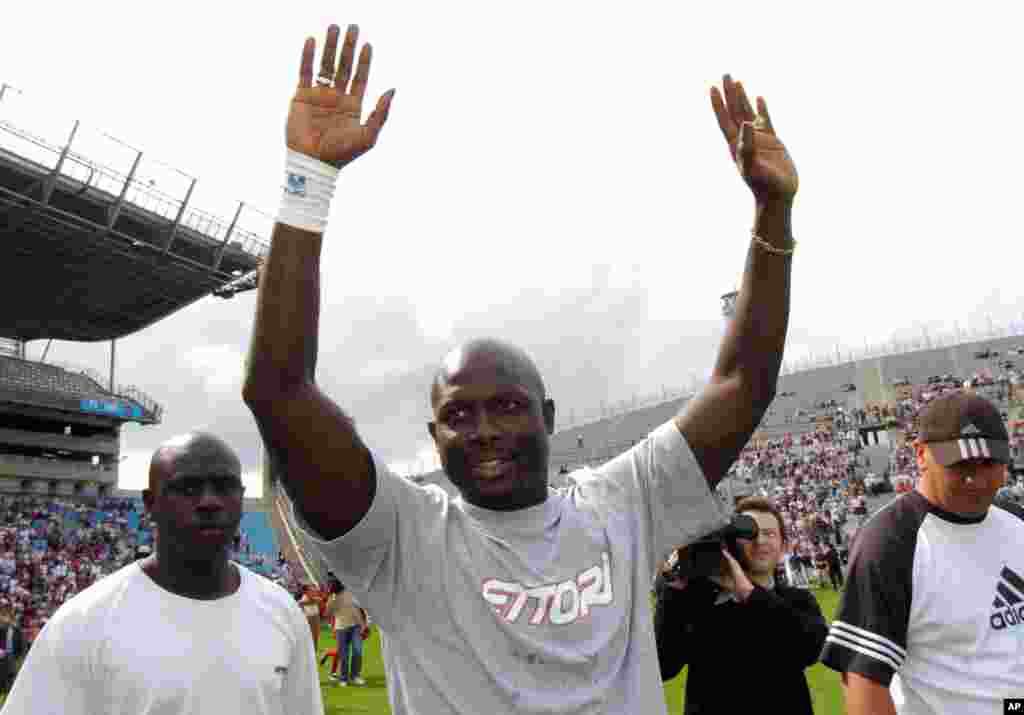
{"points": [[703, 557]]}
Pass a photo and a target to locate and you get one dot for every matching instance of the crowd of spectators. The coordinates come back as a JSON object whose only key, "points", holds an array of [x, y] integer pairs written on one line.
{"points": [[903, 464], [815, 479], [820, 479], [52, 548]]}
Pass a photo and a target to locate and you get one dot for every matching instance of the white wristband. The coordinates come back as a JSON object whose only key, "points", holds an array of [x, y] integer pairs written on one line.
{"points": [[308, 188]]}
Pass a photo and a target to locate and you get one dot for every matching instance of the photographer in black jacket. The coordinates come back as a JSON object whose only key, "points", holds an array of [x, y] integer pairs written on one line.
{"points": [[746, 639]]}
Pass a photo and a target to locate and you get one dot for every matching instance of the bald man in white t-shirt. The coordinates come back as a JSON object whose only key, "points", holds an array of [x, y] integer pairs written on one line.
{"points": [[185, 631]]}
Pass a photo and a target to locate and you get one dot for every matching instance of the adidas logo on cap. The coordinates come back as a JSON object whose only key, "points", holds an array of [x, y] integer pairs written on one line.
{"points": [[1009, 600], [970, 430]]}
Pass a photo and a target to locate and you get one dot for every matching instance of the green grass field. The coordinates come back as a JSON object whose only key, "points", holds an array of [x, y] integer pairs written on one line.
{"points": [[373, 697]]}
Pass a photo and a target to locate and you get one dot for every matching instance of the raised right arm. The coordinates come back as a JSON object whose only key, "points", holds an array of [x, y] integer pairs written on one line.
{"points": [[313, 446]]}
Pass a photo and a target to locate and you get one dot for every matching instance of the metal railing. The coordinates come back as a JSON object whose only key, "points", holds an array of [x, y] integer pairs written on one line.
{"points": [[611, 410], [140, 191], [925, 341], [994, 331], [127, 392], [82, 466]]}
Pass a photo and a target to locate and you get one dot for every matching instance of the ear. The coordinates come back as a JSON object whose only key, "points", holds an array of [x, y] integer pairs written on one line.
{"points": [[549, 415], [920, 452]]}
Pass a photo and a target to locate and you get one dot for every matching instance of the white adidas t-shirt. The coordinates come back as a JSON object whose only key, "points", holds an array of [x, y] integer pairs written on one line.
{"points": [[934, 608], [540, 610], [125, 646]]}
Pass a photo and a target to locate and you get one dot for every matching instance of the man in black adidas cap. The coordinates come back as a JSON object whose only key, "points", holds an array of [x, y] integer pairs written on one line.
{"points": [[932, 618], [963, 450]]}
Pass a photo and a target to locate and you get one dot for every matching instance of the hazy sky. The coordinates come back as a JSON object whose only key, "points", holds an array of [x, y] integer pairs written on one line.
{"points": [[552, 173]]}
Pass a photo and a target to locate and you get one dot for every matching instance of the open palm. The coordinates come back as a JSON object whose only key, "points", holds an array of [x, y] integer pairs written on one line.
{"points": [[760, 156], [325, 121]]}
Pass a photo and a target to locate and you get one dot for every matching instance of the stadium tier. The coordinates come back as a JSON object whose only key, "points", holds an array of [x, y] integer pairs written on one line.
{"points": [[60, 430], [256, 527], [591, 444], [875, 379], [802, 400], [89, 252], [95, 244]]}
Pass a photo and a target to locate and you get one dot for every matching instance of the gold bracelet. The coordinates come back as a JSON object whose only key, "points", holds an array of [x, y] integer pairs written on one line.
{"points": [[772, 249]]}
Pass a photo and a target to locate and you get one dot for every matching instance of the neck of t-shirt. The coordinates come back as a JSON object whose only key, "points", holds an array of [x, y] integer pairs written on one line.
{"points": [[530, 518], [950, 516], [182, 581]]}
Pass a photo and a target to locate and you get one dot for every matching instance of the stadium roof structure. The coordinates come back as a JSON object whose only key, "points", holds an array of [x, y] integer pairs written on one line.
{"points": [[90, 253]]}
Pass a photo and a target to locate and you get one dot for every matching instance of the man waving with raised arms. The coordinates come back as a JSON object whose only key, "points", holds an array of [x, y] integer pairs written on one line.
{"points": [[513, 597]]}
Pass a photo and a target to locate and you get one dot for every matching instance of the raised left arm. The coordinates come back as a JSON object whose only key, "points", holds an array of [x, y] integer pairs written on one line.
{"points": [[719, 422]]}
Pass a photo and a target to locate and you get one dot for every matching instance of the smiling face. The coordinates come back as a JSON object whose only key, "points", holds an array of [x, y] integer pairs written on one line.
{"points": [[491, 425], [763, 554]]}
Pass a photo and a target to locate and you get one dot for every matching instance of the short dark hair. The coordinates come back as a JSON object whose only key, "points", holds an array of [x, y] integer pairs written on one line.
{"points": [[765, 506]]}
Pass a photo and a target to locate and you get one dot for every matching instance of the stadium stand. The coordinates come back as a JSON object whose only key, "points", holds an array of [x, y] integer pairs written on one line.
{"points": [[96, 251], [47, 378], [592, 444], [831, 449], [60, 429], [258, 532], [51, 548], [90, 252]]}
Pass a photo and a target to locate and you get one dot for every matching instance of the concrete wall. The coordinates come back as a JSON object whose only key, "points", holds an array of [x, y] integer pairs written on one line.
{"points": [[874, 374]]}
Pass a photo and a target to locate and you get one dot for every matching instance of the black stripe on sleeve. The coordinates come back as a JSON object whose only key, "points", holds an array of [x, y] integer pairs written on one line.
{"points": [[869, 634]]}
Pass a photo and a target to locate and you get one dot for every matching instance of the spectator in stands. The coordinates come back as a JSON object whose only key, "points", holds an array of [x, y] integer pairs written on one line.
{"points": [[223, 637], [707, 624], [12, 647], [901, 641], [806, 475], [545, 591], [859, 507]]}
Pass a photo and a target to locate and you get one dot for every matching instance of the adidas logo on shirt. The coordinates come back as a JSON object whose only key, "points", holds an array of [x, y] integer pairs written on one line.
{"points": [[1009, 601]]}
